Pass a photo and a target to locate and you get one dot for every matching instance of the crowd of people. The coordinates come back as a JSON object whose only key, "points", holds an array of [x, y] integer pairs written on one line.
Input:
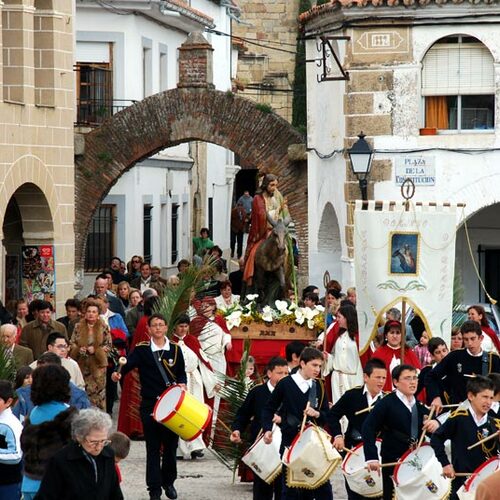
{"points": [[55, 420]]}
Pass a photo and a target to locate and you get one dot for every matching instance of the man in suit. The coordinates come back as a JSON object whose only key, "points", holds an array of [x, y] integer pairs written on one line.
{"points": [[250, 413], [101, 287], [160, 364], [23, 356]]}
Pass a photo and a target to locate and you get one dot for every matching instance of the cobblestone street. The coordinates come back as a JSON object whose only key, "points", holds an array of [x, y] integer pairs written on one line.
{"points": [[204, 479]]}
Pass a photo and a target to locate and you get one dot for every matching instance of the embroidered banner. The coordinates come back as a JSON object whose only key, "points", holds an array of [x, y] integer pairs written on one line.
{"points": [[404, 255]]}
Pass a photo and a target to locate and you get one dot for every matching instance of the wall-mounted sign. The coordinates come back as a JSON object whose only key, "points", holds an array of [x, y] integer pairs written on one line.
{"points": [[38, 273], [421, 169]]}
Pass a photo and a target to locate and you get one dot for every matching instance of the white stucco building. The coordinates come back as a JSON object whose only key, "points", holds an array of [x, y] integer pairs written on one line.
{"points": [[419, 76], [125, 51]]}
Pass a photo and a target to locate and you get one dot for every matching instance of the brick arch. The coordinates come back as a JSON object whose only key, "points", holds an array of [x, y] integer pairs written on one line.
{"points": [[175, 116]]}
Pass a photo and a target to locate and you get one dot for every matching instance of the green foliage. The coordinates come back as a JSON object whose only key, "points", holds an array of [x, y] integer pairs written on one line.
{"points": [[7, 367], [105, 156], [264, 107], [321, 2], [175, 300], [299, 104]]}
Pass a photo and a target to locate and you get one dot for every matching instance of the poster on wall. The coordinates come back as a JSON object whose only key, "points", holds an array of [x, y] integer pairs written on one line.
{"points": [[38, 273]]}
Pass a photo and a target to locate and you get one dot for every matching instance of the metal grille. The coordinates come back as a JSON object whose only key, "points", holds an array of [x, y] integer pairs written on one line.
{"points": [[174, 226], [101, 239], [146, 241]]}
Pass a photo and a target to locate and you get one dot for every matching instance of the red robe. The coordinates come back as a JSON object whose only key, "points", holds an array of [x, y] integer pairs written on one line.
{"points": [[258, 233], [386, 354], [493, 336]]}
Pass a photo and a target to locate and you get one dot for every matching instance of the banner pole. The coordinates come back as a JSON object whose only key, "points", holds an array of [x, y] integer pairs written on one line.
{"points": [[403, 330]]}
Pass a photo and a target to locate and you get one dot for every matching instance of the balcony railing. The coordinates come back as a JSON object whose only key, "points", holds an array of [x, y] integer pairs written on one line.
{"points": [[93, 112]]}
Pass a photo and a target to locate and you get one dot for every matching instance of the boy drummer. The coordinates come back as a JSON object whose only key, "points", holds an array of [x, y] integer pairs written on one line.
{"points": [[399, 418], [250, 411], [291, 396], [354, 400], [465, 427]]}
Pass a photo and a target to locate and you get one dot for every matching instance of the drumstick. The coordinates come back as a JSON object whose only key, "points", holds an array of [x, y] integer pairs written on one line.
{"points": [[470, 376], [352, 452], [364, 410], [463, 474], [424, 432], [451, 406], [308, 405], [390, 464], [495, 434], [122, 361], [224, 425]]}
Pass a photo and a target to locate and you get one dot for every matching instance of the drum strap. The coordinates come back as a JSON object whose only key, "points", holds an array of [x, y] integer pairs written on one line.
{"points": [[313, 395], [162, 371], [484, 364]]}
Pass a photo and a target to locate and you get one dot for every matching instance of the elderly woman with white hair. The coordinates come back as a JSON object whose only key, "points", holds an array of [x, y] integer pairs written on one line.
{"points": [[85, 468]]}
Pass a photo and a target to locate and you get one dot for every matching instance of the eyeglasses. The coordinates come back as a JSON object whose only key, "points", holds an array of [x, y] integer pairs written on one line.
{"points": [[101, 442], [410, 379], [61, 346]]}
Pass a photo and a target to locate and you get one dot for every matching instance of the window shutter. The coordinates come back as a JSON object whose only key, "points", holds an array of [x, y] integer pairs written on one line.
{"points": [[458, 69]]}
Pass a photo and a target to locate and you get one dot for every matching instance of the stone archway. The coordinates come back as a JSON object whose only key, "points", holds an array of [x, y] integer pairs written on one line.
{"points": [[180, 115]]}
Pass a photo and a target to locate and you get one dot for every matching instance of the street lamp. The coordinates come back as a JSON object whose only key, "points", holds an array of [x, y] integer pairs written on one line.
{"points": [[361, 156]]}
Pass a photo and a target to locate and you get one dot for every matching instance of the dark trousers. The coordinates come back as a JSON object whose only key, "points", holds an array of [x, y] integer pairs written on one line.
{"points": [[456, 484], [237, 238], [111, 391], [264, 491], [160, 471], [324, 492], [387, 483]]}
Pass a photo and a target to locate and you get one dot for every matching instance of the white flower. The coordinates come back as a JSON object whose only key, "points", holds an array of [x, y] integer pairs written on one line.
{"points": [[267, 314], [252, 296], [234, 319], [310, 324], [320, 308], [299, 316], [282, 306], [310, 313]]}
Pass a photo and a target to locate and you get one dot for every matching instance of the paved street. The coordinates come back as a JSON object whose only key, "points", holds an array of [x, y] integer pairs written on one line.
{"points": [[204, 479]]}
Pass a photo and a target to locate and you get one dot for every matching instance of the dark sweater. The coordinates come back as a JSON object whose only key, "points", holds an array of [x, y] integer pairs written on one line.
{"points": [[251, 409], [351, 402], [462, 431], [392, 419], [291, 402], [454, 366], [152, 383]]}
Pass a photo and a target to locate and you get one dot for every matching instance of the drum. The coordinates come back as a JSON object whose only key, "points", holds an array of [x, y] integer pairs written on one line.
{"points": [[311, 459], [362, 481], [182, 413], [265, 459], [468, 490], [419, 476]]}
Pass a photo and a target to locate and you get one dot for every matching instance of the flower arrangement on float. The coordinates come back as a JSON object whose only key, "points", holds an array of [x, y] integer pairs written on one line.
{"points": [[283, 312]]}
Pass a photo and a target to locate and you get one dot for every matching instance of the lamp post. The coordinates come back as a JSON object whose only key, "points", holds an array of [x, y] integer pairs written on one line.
{"points": [[361, 156]]}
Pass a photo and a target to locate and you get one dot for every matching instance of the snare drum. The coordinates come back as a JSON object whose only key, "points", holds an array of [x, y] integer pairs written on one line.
{"points": [[468, 490], [182, 413], [362, 481], [311, 459], [265, 459], [419, 476]]}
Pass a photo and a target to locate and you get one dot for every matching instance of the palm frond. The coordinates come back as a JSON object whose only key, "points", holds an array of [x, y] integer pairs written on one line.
{"points": [[175, 299], [7, 366], [233, 393]]}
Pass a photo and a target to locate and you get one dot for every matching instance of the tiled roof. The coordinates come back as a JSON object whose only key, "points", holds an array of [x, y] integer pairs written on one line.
{"points": [[338, 4], [185, 9]]}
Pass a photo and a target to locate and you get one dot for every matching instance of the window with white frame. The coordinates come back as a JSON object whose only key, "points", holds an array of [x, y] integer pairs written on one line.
{"points": [[458, 85]]}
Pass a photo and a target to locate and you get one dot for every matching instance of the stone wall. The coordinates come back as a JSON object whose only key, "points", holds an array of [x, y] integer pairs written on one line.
{"points": [[36, 129], [272, 24]]}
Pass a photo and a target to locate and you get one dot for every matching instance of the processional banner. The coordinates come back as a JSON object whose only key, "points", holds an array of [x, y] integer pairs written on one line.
{"points": [[404, 255]]}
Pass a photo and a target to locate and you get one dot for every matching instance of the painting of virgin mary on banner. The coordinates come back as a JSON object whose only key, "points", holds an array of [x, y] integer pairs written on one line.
{"points": [[405, 256]]}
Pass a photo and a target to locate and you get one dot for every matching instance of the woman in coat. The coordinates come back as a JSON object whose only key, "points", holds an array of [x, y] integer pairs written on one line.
{"points": [[85, 468]]}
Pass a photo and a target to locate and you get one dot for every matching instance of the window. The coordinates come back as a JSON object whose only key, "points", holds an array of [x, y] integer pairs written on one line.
{"points": [[163, 70], [94, 92], [146, 235], [146, 71], [101, 239], [458, 85], [211, 217], [174, 231]]}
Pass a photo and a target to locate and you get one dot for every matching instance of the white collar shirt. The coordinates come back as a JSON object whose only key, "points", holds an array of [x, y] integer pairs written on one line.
{"points": [[408, 403], [478, 421], [369, 398], [156, 348], [303, 384], [270, 386]]}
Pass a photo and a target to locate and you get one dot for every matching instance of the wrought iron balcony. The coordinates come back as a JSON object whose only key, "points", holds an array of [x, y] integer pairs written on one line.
{"points": [[93, 112]]}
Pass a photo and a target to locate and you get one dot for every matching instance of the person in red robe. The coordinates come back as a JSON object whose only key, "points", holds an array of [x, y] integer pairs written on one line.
{"points": [[390, 351], [478, 314]]}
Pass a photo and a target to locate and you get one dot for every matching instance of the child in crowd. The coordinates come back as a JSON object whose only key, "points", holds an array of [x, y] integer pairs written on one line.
{"points": [[10, 446], [120, 444], [250, 372], [495, 406], [23, 377], [465, 427], [422, 350]]}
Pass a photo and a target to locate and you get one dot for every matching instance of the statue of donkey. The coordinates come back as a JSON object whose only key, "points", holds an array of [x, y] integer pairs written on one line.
{"points": [[270, 263]]}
